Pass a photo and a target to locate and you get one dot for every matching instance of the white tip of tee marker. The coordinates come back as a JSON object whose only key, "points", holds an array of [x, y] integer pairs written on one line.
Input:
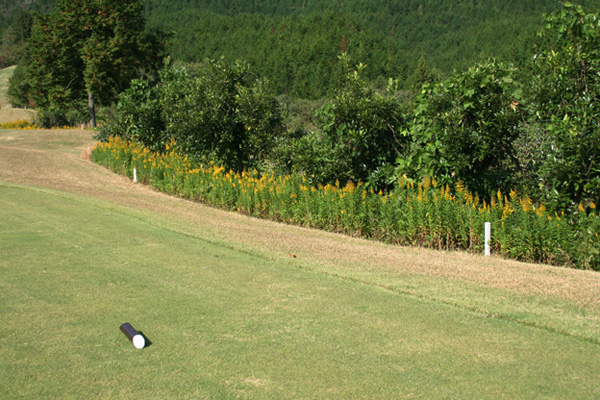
{"points": [[138, 342], [137, 339]]}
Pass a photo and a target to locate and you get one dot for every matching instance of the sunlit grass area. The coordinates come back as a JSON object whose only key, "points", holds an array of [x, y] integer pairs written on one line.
{"points": [[224, 323], [231, 315]]}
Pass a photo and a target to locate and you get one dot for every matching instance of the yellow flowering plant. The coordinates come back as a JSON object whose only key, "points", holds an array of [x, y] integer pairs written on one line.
{"points": [[423, 213]]}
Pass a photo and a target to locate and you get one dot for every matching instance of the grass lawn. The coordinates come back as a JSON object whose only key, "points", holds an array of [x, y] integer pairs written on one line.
{"points": [[231, 315]]}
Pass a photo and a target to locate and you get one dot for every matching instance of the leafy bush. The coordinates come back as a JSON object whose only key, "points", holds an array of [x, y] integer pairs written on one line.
{"points": [[138, 117], [222, 113], [566, 104], [51, 118], [359, 134], [464, 129], [18, 88]]}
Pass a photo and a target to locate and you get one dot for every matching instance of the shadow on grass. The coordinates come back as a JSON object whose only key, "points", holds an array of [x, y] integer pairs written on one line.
{"points": [[148, 342]]}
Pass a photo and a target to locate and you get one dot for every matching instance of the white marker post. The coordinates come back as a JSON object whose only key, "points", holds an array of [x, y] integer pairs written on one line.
{"points": [[138, 340], [488, 237], [134, 175]]}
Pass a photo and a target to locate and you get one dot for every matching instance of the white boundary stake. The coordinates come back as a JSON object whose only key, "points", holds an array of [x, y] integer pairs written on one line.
{"points": [[488, 237], [134, 176]]}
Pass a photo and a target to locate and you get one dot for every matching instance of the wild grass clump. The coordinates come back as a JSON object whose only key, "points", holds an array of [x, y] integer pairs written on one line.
{"points": [[414, 213]]}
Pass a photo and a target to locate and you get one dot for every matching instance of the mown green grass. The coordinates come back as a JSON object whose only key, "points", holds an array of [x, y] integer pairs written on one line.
{"points": [[226, 324]]}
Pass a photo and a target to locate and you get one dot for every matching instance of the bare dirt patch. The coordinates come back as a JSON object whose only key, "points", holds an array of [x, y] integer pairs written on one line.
{"points": [[58, 160]]}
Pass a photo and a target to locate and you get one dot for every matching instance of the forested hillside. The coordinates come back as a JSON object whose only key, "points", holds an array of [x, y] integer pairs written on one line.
{"points": [[9, 8], [295, 43]]}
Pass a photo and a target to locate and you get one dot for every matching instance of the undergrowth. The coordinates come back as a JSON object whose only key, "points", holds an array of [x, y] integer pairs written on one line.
{"points": [[424, 213]]}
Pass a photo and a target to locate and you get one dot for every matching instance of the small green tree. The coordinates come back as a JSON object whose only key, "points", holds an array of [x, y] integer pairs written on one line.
{"points": [[19, 88], [465, 127], [423, 75], [359, 134], [223, 114], [14, 38], [138, 117], [566, 101], [220, 113]]}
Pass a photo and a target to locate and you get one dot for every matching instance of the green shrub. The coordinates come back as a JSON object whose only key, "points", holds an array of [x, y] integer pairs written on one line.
{"points": [[566, 104], [220, 113], [50, 118], [358, 136], [464, 128]]}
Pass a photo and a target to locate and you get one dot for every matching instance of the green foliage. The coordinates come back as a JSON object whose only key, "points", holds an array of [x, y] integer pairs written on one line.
{"points": [[465, 127], [19, 88], [14, 38], [295, 43], [470, 127], [358, 136], [86, 50], [137, 116], [567, 106], [52, 117], [222, 113], [423, 75]]}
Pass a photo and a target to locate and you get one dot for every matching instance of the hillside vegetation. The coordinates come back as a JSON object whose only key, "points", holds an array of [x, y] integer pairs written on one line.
{"points": [[495, 128], [295, 43]]}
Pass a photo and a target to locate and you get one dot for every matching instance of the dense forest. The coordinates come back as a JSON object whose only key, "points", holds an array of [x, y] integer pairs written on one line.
{"points": [[295, 43]]}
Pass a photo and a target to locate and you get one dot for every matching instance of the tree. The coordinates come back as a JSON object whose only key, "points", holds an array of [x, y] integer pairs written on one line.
{"points": [[359, 134], [222, 113], [465, 127], [218, 113], [423, 75], [566, 97], [18, 88], [88, 49], [14, 38]]}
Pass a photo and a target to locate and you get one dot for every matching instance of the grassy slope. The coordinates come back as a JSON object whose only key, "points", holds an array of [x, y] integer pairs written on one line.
{"points": [[7, 113], [231, 314]]}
